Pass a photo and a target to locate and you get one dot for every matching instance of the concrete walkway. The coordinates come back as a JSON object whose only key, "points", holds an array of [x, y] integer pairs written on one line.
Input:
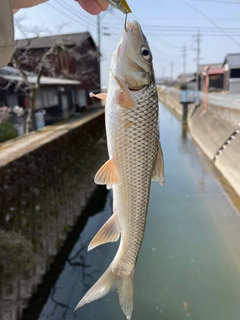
{"points": [[231, 101], [15, 148]]}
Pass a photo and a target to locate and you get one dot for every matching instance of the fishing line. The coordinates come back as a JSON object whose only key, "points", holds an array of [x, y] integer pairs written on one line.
{"points": [[125, 22]]}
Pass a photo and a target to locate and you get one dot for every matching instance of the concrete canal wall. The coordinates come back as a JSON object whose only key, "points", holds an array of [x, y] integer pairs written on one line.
{"points": [[170, 98], [217, 131], [46, 179]]}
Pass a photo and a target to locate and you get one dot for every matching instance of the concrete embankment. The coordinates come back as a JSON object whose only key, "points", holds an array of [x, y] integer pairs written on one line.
{"points": [[217, 132], [46, 179]]}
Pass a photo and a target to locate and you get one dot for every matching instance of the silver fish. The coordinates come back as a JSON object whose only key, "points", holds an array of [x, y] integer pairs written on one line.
{"points": [[135, 158]]}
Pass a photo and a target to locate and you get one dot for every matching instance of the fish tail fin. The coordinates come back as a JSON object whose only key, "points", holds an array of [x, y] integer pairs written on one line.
{"points": [[110, 281], [125, 294]]}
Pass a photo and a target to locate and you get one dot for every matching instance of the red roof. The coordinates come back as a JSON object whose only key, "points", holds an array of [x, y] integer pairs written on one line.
{"points": [[216, 71]]}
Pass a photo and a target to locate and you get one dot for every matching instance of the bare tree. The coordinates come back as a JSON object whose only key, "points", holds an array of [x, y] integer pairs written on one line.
{"points": [[44, 64], [22, 58], [31, 89]]}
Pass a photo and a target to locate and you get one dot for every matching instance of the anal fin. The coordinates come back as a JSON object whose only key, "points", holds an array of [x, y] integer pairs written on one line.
{"points": [[108, 233], [107, 174], [158, 171]]}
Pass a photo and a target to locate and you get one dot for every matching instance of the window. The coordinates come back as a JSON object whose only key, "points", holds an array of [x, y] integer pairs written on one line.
{"points": [[12, 100], [64, 102], [49, 97], [235, 73], [73, 94], [82, 98]]}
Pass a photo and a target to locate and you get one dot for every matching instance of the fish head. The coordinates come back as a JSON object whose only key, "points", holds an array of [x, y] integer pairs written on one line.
{"points": [[132, 59]]}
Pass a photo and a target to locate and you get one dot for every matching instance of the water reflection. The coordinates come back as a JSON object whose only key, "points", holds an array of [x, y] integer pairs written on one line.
{"points": [[184, 130], [81, 270], [189, 263]]}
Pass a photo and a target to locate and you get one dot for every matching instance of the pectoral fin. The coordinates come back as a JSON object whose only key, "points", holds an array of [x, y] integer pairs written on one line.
{"points": [[107, 174], [158, 172], [101, 96], [124, 97], [108, 233]]}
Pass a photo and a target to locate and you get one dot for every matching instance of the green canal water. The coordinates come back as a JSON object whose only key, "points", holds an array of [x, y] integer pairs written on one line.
{"points": [[189, 263]]}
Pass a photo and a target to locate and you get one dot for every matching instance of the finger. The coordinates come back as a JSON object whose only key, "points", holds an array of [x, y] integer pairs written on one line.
{"points": [[18, 4], [93, 6]]}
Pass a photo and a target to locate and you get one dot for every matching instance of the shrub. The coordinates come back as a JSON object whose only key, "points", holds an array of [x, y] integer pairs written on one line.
{"points": [[7, 131]]}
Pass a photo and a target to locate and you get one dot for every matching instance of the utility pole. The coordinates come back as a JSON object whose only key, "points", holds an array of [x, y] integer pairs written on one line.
{"points": [[171, 66], [99, 45], [198, 59], [184, 54], [99, 35], [163, 72]]}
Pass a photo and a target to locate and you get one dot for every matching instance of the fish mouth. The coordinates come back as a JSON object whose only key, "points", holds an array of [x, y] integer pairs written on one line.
{"points": [[137, 89], [130, 26]]}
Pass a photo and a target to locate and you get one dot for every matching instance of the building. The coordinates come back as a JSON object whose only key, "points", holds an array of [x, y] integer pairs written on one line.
{"points": [[231, 67], [215, 76], [187, 80], [69, 56], [58, 97]]}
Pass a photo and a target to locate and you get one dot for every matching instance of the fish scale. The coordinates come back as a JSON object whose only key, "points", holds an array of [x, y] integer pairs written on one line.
{"points": [[135, 158], [131, 197]]}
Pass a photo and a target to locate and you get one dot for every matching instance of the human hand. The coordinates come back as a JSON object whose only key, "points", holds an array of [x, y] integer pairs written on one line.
{"points": [[20, 4], [94, 6], [91, 6]]}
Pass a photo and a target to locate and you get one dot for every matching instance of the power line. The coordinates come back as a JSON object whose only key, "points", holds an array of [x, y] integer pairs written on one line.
{"points": [[93, 24], [76, 13], [183, 28], [147, 27], [177, 67], [63, 13], [218, 1], [152, 45], [189, 18], [212, 22], [188, 34]]}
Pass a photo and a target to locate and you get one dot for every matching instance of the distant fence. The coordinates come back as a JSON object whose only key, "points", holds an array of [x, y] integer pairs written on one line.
{"points": [[42, 193]]}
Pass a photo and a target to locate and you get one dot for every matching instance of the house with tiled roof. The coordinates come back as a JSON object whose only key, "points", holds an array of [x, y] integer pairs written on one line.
{"points": [[75, 57], [215, 76], [231, 67]]}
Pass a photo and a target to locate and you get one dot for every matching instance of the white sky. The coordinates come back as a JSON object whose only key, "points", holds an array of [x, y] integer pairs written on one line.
{"points": [[157, 18]]}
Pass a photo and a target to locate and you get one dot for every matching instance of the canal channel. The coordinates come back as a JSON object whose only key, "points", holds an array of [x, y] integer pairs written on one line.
{"points": [[189, 263]]}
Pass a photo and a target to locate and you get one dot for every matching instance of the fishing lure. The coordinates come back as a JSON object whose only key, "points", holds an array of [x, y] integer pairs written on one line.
{"points": [[121, 5]]}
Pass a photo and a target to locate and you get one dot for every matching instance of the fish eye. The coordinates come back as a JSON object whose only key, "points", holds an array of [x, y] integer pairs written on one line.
{"points": [[145, 53]]}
